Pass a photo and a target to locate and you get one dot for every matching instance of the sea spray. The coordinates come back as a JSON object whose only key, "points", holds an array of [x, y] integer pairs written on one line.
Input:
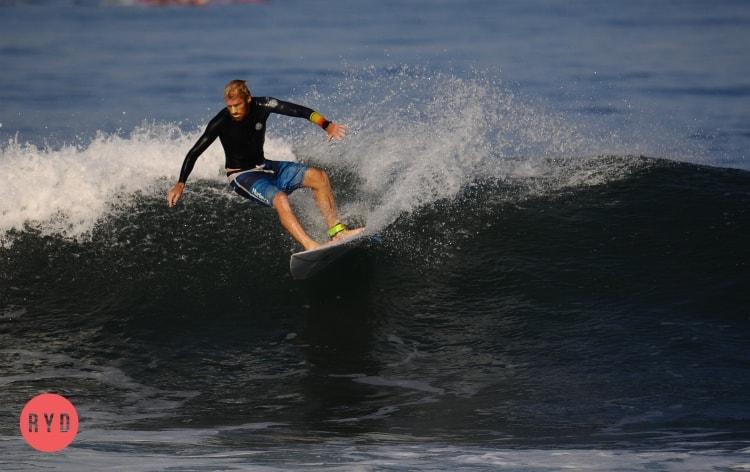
{"points": [[418, 137]]}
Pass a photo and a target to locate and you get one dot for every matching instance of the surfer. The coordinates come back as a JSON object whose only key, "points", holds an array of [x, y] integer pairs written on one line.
{"points": [[241, 129]]}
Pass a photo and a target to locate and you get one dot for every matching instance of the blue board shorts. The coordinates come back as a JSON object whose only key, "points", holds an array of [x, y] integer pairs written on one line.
{"points": [[262, 183]]}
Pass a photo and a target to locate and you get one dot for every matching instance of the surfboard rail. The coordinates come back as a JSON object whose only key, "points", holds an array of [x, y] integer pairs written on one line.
{"points": [[305, 264]]}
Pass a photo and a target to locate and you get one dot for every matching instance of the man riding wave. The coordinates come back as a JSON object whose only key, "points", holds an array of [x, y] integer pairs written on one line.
{"points": [[241, 129]]}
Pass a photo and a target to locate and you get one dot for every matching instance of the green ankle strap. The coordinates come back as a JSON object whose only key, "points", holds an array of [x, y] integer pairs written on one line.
{"points": [[335, 229]]}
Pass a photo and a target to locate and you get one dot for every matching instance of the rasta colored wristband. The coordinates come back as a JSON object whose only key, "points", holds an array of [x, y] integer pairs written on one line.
{"points": [[319, 120]]}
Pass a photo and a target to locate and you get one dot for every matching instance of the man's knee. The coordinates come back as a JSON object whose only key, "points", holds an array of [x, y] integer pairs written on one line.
{"points": [[316, 178], [281, 202]]}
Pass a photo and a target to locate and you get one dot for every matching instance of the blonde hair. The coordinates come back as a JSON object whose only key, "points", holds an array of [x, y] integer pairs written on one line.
{"points": [[236, 88]]}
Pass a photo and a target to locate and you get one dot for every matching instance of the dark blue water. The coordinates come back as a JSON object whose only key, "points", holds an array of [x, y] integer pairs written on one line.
{"points": [[561, 192]]}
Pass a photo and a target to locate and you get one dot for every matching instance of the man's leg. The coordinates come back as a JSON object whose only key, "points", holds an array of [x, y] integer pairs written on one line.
{"points": [[290, 222], [317, 180]]}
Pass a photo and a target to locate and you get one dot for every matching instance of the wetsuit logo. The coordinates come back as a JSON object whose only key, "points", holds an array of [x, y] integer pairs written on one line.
{"points": [[258, 126]]}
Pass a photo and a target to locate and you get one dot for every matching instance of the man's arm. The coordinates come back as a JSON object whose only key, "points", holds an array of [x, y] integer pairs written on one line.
{"points": [[208, 137], [333, 130]]}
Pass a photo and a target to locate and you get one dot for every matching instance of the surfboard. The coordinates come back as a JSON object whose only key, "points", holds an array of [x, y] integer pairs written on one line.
{"points": [[305, 264]]}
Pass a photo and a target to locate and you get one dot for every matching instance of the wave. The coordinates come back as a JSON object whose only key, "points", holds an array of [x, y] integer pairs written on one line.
{"points": [[610, 216], [415, 139]]}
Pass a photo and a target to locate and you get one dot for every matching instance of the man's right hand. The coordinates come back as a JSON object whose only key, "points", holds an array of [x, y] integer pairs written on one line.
{"points": [[175, 194]]}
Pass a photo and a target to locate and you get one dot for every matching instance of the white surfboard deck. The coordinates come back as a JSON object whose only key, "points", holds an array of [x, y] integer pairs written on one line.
{"points": [[305, 264]]}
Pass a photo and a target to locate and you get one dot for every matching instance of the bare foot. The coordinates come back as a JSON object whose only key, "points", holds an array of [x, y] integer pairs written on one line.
{"points": [[312, 245], [348, 233]]}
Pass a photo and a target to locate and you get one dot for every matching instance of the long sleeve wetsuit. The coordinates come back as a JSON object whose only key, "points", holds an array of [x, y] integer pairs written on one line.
{"points": [[243, 140]]}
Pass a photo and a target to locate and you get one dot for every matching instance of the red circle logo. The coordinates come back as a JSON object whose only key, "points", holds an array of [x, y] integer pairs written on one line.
{"points": [[49, 422]]}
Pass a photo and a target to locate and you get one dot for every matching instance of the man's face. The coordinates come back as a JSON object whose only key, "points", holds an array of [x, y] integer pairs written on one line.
{"points": [[237, 107]]}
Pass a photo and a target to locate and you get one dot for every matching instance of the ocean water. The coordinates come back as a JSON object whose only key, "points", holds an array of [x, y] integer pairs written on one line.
{"points": [[562, 195]]}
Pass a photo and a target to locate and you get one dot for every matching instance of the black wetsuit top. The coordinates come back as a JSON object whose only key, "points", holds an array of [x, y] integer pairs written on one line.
{"points": [[242, 140]]}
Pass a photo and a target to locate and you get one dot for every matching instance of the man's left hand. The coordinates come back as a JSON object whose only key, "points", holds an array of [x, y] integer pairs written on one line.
{"points": [[335, 131]]}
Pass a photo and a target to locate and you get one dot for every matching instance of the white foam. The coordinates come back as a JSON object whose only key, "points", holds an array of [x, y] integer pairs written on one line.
{"points": [[68, 189], [200, 449], [400, 383]]}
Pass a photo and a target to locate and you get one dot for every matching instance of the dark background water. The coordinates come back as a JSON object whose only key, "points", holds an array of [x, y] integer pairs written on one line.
{"points": [[541, 295]]}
